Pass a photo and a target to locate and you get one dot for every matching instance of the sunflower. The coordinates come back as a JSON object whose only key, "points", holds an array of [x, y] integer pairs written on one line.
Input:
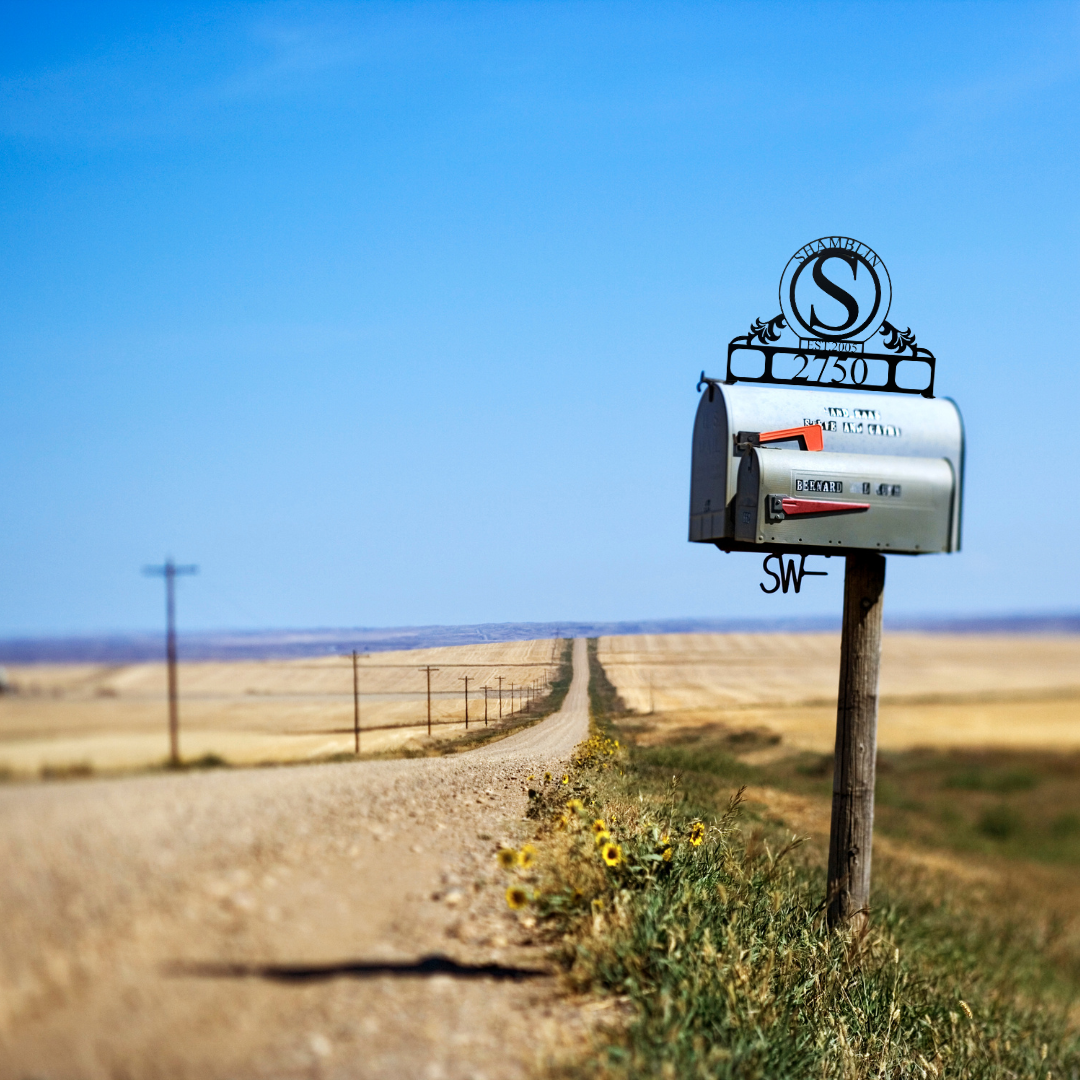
{"points": [[612, 854], [576, 805], [598, 826], [697, 833], [547, 778], [666, 856], [602, 837], [516, 898], [527, 856], [563, 820], [508, 858], [566, 778]]}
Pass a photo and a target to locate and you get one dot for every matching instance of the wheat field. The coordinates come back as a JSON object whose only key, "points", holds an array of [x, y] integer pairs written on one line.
{"points": [[943, 690], [105, 717]]}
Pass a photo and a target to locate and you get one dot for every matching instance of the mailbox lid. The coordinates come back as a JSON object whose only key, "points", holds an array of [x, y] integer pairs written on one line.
{"points": [[853, 422], [845, 501]]}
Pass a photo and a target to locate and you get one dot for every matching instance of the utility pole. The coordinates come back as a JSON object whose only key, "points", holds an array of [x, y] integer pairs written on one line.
{"points": [[485, 703], [500, 678], [429, 669], [466, 678], [355, 702], [170, 571], [852, 830]]}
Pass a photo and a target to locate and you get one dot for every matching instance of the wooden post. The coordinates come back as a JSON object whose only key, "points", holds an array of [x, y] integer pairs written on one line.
{"points": [[355, 703], [429, 669], [466, 678], [852, 830]]}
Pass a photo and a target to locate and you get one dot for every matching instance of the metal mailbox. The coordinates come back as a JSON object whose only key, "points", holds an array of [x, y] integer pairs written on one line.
{"points": [[787, 468], [824, 438]]}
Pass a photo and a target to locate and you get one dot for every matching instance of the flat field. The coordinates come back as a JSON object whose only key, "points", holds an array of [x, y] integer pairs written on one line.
{"points": [[937, 690], [67, 718]]}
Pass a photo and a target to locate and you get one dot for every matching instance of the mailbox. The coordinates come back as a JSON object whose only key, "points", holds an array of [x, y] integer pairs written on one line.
{"points": [[807, 470]]}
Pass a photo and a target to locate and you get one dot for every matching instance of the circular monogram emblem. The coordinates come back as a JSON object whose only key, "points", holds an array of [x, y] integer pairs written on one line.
{"points": [[835, 289]]}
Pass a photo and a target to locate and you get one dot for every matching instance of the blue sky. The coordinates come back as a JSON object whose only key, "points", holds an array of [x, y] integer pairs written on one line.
{"points": [[390, 314]]}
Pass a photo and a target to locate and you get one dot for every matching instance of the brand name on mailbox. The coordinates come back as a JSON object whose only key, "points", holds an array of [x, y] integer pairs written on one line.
{"points": [[855, 427], [831, 487], [836, 487]]}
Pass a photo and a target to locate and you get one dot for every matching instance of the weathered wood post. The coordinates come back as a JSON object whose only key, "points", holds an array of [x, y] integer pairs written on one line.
{"points": [[851, 834]]}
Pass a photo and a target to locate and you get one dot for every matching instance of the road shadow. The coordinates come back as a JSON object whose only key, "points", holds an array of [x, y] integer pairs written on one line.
{"points": [[354, 969]]}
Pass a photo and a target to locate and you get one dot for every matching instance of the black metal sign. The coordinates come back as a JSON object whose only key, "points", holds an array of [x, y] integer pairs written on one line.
{"points": [[835, 295]]}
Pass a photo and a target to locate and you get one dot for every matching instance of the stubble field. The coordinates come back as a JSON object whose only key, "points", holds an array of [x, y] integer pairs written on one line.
{"points": [[937, 690], [62, 719]]}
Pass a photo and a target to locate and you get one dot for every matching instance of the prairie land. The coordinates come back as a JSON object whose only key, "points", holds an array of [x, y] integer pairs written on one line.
{"points": [[69, 718], [937, 690]]}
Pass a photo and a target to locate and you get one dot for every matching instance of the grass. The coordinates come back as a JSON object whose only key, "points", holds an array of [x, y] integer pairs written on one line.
{"points": [[717, 950]]}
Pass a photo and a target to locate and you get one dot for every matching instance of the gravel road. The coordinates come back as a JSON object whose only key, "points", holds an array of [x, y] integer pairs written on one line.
{"points": [[274, 922]]}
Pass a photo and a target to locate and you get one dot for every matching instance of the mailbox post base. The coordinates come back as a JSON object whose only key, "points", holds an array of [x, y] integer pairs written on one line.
{"points": [[851, 834]]}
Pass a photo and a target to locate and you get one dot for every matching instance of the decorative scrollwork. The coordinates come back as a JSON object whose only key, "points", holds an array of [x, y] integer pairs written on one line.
{"points": [[897, 340], [767, 331]]}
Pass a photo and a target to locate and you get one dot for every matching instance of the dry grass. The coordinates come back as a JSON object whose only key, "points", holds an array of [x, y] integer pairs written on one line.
{"points": [[105, 717], [937, 689]]}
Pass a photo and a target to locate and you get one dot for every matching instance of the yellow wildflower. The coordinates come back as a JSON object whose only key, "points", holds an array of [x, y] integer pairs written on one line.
{"points": [[508, 858], [576, 805], [697, 833], [598, 825], [527, 856], [667, 855], [547, 778], [566, 778], [516, 898], [602, 837], [612, 854]]}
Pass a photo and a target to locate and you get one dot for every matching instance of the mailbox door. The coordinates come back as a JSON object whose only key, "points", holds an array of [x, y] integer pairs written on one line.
{"points": [[845, 501], [890, 425]]}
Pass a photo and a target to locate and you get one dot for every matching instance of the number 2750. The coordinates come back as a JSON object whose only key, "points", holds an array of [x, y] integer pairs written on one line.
{"points": [[838, 370]]}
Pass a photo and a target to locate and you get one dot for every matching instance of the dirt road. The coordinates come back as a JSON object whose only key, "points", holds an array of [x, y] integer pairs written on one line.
{"points": [[275, 922]]}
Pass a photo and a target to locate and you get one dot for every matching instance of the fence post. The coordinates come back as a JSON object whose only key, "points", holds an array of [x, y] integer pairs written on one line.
{"points": [[429, 669]]}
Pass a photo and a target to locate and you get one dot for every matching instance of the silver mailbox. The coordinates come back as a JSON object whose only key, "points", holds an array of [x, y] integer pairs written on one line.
{"points": [[786, 467]]}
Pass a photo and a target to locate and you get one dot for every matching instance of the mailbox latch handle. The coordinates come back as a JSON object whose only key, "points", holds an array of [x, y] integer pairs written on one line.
{"points": [[782, 506]]}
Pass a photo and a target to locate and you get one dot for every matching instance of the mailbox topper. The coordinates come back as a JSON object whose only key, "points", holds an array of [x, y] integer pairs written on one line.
{"points": [[787, 459]]}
